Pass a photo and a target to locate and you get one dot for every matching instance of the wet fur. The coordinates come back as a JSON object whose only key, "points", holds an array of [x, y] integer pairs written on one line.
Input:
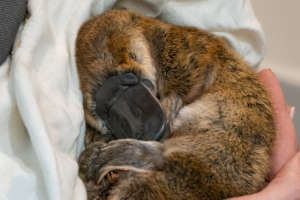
{"points": [[220, 115]]}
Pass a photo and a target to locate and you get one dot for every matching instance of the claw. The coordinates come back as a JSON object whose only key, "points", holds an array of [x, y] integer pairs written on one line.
{"points": [[110, 177]]}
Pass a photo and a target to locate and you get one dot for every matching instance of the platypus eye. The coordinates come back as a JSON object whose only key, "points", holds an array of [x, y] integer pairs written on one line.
{"points": [[158, 96]]}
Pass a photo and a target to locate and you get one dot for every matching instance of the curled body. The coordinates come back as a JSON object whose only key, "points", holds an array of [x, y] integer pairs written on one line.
{"points": [[221, 128]]}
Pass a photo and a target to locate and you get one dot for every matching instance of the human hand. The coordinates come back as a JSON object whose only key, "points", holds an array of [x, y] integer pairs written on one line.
{"points": [[285, 169], [286, 143]]}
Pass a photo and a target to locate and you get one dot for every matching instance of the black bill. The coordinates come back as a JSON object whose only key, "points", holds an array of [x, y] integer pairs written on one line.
{"points": [[129, 109]]}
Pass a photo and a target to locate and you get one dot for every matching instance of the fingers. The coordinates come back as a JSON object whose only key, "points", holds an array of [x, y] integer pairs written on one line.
{"points": [[286, 144], [286, 183], [291, 111], [284, 186]]}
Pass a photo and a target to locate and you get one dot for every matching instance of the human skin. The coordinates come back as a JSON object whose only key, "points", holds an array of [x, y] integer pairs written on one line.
{"points": [[285, 172]]}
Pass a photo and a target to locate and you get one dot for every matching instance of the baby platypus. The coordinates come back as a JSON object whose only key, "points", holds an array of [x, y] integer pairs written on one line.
{"points": [[172, 113]]}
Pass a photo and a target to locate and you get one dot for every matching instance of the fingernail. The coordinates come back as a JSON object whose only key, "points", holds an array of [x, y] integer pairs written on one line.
{"points": [[292, 112], [271, 72], [265, 70]]}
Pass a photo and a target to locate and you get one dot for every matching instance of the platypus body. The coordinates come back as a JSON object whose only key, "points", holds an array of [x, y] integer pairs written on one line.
{"points": [[172, 113]]}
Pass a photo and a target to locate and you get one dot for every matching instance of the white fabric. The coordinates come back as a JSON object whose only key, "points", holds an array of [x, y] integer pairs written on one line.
{"points": [[42, 121]]}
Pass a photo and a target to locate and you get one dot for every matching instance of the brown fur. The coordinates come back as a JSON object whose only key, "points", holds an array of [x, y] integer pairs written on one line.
{"points": [[221, 121]]}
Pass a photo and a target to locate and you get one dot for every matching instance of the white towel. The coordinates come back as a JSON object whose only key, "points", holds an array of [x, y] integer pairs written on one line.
{"points": [[42, 122]]}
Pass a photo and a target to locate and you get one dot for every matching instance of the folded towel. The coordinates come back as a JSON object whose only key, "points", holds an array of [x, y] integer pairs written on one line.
{"points": [[42, 121]]}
